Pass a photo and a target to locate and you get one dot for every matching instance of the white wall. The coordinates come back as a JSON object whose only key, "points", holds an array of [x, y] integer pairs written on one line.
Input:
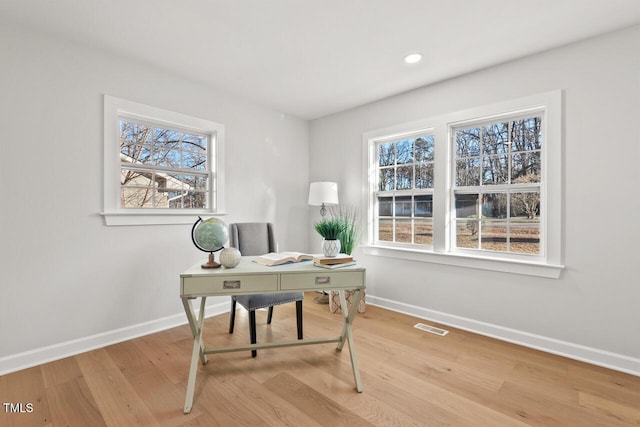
{"points": [[65, 276], [67, 281], [592, 312]]}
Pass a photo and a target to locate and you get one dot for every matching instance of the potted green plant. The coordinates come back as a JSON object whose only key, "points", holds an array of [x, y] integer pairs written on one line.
{"points": [[349, 236], [330, 229]]}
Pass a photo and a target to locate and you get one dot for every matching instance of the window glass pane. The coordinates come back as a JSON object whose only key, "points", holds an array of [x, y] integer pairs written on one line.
{"points": [[404, 151], [525, 238], [423, 148], [194, 199], [424, 175], [403, 230], [140, 154], [174, 199], [404, 177], [385, 206], [467, 142], [494, 205], [135, 153], [132, 142], [385, 230], [386, 154], [423, 232], [133, 133], [468, 172], [162, 199], [525, 167], [467, 234], [136, 197], [167, 139], [194, 160], [423, 206], [493, 236], [194, 143], [525, 205], [135, 178], [466, 205], [195, 182], [387, 181], [165, 157], [131, 152], [403, 206], [495, 138], [526, 134], [495, 169], [167, 182]]}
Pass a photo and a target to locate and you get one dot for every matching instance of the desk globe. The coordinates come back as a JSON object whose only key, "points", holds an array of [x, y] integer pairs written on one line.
{"points": [[210, 236]]}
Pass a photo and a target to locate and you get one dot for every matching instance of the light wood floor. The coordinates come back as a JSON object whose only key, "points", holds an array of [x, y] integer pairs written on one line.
{"points": [[410, 378]]}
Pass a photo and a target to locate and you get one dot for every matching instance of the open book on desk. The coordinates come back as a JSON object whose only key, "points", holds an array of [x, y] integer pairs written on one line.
{"points": [[274, 258]]}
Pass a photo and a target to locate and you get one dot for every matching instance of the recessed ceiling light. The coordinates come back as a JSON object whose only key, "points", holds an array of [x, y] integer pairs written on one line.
{"points": [[413, 58]]}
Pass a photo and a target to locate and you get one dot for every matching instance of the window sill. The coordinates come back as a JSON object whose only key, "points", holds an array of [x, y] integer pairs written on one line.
{"points": [[546, 270], [153, 218]]}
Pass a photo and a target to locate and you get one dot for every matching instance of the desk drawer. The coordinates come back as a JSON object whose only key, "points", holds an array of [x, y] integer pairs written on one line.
{"points": [[196, 286], [321, 280]]}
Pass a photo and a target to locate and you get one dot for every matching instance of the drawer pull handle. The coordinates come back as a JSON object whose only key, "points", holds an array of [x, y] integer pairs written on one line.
{"points": [[231, 284], [323, 280]]}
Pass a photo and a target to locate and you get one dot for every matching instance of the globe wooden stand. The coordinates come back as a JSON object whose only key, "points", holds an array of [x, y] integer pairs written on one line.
{"points": [[212, 263]]}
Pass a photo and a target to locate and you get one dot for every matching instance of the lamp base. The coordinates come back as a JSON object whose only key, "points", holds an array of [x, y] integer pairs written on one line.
{"points": [[212, 263]]}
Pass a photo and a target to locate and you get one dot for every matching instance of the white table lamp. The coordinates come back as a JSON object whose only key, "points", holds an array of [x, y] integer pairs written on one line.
{"points": [[323, 194]]}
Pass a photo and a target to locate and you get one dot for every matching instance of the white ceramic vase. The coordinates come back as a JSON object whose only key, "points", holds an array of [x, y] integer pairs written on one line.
{"points": [[330, 248], [230, 257]]}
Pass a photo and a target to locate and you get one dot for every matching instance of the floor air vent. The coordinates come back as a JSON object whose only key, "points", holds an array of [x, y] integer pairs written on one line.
{"points": [[431, 329]]}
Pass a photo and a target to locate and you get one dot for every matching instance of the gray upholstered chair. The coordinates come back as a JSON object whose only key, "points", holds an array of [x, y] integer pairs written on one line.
{"points": [[257, 238]]}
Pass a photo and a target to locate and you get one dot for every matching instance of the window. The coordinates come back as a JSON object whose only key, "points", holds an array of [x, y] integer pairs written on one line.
{"points": [[404, 193], [496, 186], [161, 167], [479, 188]]}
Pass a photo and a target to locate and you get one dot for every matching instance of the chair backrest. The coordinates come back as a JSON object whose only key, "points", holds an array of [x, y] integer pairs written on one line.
{"points": [[252, 238]]}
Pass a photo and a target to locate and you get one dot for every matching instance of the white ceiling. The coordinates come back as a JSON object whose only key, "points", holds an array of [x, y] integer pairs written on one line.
{"points": [[310, 58]]}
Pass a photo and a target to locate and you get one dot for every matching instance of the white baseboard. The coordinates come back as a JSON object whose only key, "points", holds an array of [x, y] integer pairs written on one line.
{"points": [[618, 362], [28, 359]]}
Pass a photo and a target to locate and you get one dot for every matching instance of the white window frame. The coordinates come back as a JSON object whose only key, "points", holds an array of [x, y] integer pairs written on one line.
{"points": [[114, 214], [548, 263]]}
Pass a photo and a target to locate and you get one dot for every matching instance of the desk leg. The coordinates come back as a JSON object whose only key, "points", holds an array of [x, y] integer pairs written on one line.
{"points": [[347, 334], [198, 350], [193, 321]]}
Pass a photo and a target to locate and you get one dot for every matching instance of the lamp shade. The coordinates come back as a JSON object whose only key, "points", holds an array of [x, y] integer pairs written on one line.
{"points": [[323, 193]]}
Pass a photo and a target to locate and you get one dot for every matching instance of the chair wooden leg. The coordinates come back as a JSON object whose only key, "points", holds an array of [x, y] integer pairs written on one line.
{"points": [[270, 315], [299, 318], [252, 330], [232, 316]]}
